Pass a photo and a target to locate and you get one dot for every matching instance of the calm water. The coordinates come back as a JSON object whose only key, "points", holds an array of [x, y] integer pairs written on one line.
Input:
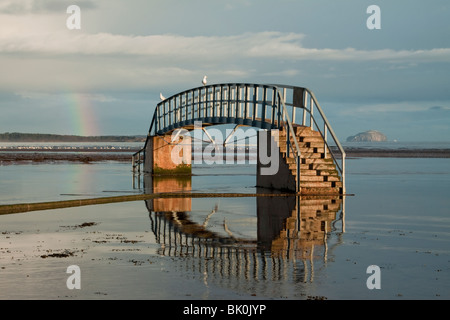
{"points": [[228, 248]]}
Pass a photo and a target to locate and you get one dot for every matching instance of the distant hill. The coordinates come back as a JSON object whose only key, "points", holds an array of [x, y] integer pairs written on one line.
{"points": [[367, 136], [43, 137]]}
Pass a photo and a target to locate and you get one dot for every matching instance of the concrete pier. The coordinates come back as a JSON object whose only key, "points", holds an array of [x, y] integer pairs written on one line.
{"points": [[166, 157]]}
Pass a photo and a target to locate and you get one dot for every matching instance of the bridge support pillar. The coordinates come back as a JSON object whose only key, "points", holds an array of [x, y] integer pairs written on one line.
{"points": [[166, 157], [279, 177]]}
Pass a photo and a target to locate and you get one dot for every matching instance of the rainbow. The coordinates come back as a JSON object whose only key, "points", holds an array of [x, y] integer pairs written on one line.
{"points": [[83, 120]]}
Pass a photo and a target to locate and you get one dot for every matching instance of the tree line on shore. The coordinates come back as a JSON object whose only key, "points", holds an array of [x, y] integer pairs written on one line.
{"points": [[43, 137]]}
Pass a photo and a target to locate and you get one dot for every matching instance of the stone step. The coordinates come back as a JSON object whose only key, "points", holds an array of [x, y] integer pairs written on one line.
{"points": [[318, 172], [318, 143], [311, 144], [303, 150], [315, 161], [306, 177], [320, 184], [313, 175], [305, 170], [314, 138], [300, 138], [306, 155], [300, 131], [326, 168], [304, 130], [314, 165]]}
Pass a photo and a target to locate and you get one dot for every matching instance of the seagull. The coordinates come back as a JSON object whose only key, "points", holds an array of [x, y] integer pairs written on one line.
{"points": [[161, 96], [204, 80]]}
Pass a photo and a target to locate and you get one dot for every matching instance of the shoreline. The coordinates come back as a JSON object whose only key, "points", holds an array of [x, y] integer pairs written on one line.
{"points": [[85, 155], [397, 153]]}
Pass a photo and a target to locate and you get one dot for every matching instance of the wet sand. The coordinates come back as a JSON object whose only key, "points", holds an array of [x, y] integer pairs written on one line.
{"points": [[397, 153], [81, 156], [121, 257], [88, 155]]}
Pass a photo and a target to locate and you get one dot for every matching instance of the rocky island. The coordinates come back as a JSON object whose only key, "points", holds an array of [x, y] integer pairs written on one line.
{"points": [[368, 136]]}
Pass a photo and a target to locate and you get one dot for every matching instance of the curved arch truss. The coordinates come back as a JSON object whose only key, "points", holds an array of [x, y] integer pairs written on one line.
{"points": [[263, 106]]}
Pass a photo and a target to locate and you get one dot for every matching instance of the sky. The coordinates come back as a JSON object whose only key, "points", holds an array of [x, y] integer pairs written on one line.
{"points": [[105, 78]]}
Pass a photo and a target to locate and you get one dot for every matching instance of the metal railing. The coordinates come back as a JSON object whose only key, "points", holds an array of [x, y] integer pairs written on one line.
{"points": [[262, 106], [137, 161], [303, 99]]}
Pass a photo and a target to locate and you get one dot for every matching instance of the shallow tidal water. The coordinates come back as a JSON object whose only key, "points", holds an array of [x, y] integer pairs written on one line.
{"points": [[397, 217]]}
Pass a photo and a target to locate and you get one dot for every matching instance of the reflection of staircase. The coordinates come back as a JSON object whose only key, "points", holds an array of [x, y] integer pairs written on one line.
{"points": [[318, 174], [308, 225]]}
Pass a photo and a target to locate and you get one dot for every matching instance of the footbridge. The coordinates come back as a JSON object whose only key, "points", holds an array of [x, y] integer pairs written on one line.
{"points": [[311, 158]]}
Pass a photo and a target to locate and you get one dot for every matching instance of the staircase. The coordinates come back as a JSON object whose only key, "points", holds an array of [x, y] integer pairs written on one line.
{"points": [[318, 173]]}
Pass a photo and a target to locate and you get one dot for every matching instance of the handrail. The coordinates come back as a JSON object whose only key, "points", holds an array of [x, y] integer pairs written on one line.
{"points": [[288, 138], [258, 105], [328, 128], [137, 159]]}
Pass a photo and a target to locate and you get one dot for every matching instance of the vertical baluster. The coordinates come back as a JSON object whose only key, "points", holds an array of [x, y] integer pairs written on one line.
{"points": [[283, 115], [280, 111], [274, 96], [170, 114], [233, 101], [343, 173], [164, 115], [215, 114], [294, 108], [263, 111], [208, 111], [298, 173], [255, 102], [229, 101], [191, 94], [246, 110], [180, 102], [288, 147], [238, 104], [221, 102], [197, 92], [311, 105], [158, 115], [200, 103], [175, 111], [185, 106], [305, 102]]}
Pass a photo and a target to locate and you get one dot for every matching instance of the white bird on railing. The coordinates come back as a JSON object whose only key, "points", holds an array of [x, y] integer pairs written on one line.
{"points": [[204, 80], [161, 96]]}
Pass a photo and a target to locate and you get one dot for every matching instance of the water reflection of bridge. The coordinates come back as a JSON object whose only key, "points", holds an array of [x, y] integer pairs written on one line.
{"points": [[292, 233]]}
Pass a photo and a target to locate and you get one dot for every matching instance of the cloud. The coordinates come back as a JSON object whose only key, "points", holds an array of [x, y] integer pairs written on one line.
{"points": [[439, 108], [263, 45], [62, 96], [18, 7]]}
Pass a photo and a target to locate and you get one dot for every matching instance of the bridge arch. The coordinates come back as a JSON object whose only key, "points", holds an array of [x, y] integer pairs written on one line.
{"points": [[264, 106], [230, 103]]}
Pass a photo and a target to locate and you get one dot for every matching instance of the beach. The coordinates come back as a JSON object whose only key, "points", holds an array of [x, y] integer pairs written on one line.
{"points": [[17, 155], [395, 217]]}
